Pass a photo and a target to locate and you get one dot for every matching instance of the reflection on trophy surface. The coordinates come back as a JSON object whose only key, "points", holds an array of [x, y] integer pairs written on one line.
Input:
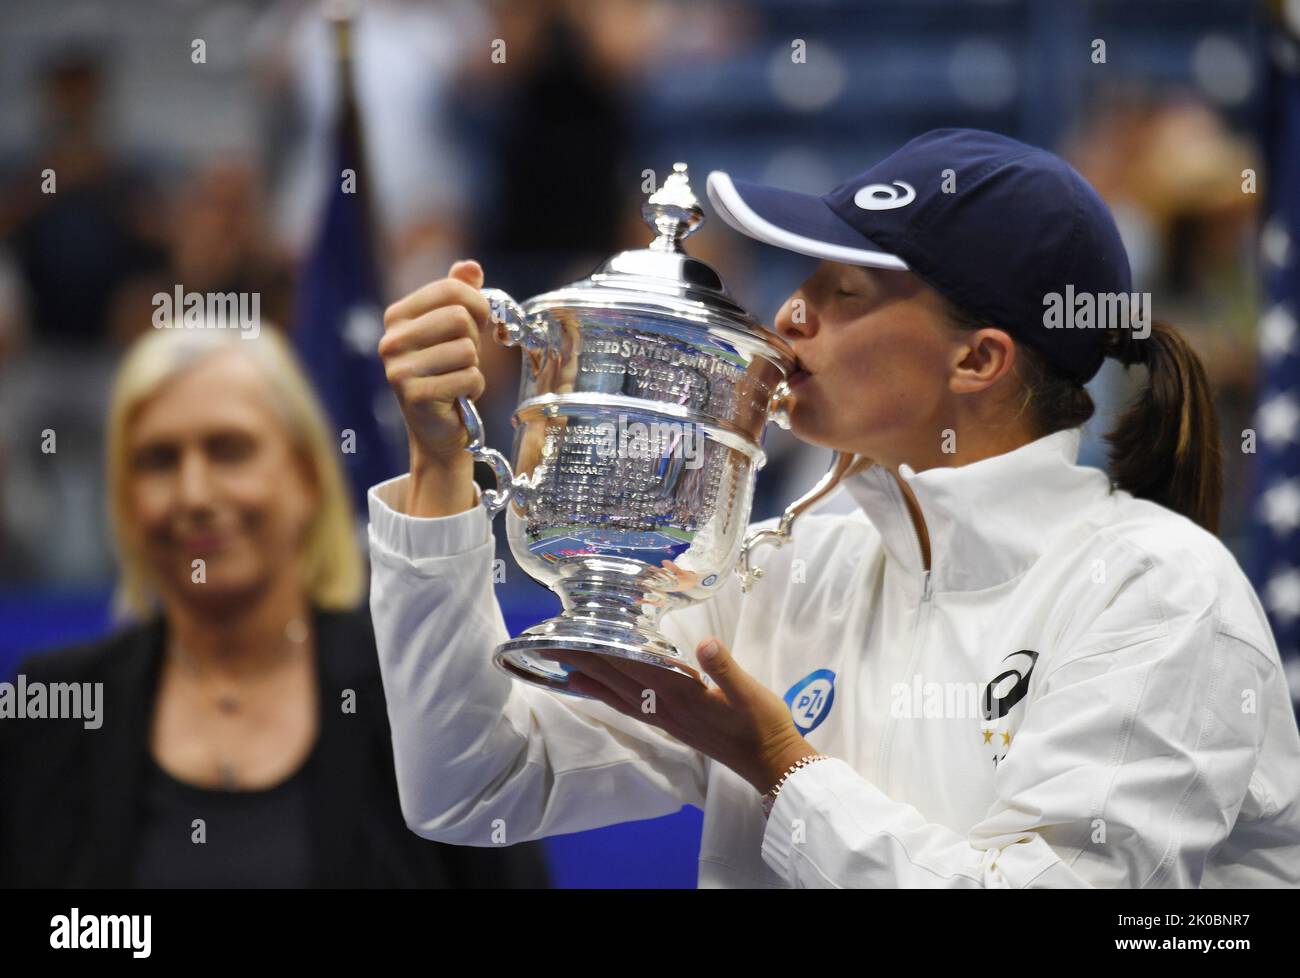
{"points": [[645, 394]]}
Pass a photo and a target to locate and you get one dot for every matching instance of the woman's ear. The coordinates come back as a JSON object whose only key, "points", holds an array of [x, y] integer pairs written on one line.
{"points": [[982, 358]]}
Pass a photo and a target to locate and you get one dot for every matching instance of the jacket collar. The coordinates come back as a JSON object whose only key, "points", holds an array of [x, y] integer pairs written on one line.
{"points": [[989, 520]]}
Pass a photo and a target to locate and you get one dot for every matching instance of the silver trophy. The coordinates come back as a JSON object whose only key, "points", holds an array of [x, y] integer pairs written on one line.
{"points": [[645, 394]]}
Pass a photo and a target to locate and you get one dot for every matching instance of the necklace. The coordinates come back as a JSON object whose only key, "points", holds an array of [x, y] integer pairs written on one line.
{"points": [[231, 703]]}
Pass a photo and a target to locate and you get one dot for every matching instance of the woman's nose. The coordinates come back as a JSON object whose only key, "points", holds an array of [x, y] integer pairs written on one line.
{"points": [[795, 318], [195, 484]]}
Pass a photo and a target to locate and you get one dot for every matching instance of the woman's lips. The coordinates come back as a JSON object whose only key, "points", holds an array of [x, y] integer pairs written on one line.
{"points": [[797, 378], [204, 543]]}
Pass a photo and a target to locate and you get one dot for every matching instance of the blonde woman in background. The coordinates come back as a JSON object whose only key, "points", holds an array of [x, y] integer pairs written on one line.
{"points": [[243, 737]]}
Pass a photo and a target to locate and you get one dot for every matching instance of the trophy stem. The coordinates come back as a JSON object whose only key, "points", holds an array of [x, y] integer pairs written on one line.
{"points": [[619, 600], [611, 615]]}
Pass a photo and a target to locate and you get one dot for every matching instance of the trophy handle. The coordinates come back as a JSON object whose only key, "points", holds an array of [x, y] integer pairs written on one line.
{"points": [[841, 462], [512, 329], [512, 325], [494, 500]]}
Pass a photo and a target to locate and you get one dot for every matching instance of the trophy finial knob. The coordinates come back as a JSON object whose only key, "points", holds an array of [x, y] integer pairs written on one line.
{"points": [[672, 211]]}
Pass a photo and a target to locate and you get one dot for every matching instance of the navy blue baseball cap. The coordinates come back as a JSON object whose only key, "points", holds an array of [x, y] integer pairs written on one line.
{"points": [[992, 224]]}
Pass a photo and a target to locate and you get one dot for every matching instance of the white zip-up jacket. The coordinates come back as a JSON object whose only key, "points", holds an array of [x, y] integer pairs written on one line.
{"points": [[1082, 691]]}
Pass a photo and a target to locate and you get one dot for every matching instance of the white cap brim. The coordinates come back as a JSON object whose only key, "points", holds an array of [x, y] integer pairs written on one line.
{"points": [[732, 207]]}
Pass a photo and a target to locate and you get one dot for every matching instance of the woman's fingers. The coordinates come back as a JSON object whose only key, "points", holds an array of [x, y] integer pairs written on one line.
{"points": [[599, 667], [581, 683], [658, 678], [446, 325], [445, 388], [446, 292], [433, 361]]}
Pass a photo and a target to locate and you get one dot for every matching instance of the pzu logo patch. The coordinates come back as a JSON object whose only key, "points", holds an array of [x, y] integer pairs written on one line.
{"points": [[810, 699]]}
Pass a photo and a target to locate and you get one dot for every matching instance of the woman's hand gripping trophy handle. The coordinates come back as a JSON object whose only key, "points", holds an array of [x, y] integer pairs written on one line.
{"points": [[430, 350]]}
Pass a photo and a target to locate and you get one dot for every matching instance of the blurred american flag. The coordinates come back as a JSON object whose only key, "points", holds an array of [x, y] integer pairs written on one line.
{"points": [[1275, 562]]}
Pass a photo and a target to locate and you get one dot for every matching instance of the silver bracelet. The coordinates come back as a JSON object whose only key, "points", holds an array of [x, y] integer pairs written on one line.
{"points": [[769, 799]]}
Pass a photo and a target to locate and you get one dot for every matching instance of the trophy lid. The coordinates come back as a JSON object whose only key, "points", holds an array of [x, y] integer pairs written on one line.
{"points": [[662, 278]]}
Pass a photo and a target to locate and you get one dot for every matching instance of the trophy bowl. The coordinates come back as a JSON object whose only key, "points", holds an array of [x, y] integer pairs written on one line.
{"points": [[643, 402]]}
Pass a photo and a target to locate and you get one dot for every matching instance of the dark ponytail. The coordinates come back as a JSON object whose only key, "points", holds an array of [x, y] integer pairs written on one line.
{"points": [[1165, 446]]}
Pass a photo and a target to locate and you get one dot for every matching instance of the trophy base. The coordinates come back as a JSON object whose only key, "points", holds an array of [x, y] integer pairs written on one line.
{"points": [[525, 658]]}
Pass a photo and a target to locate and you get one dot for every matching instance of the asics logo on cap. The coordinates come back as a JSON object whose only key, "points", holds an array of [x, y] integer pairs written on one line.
{"points": [[883, 196]]}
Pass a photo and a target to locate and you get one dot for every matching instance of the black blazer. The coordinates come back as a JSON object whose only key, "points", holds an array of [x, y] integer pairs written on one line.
{"points": [[70, 798]]}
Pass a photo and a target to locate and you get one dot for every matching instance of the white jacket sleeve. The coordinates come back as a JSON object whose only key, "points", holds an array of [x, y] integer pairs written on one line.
{"points": [[482, 759], [1129, 767]]}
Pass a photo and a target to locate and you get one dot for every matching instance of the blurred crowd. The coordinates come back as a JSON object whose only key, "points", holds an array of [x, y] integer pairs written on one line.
{"points": [[532, 163]]}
